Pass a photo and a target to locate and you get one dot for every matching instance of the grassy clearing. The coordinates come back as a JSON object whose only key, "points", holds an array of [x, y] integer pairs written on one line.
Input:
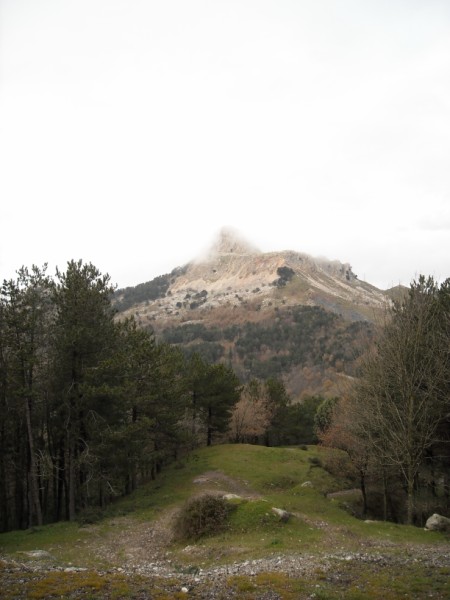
{"points": [[277, 474], [276, 477]]}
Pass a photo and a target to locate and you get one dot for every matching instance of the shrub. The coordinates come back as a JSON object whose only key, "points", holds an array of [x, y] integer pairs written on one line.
{"points": [[205, 515]]}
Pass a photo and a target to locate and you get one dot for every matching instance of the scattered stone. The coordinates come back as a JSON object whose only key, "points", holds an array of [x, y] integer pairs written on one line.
{"points": [[232, 497], [283, 514], [200, 480]]}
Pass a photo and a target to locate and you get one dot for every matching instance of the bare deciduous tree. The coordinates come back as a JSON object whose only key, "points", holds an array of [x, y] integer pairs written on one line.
{"points": [[403, 390], [252, 413]]}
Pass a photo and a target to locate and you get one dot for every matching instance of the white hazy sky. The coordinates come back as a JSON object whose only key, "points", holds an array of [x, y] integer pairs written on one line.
{"points": [[131, 131]]}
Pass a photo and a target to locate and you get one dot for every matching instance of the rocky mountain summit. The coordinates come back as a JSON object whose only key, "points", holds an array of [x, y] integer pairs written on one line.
{"points": [[267, 314], [234, 274]]}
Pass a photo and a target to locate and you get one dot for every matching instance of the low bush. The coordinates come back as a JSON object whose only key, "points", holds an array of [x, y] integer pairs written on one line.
{"points": [[205, 515]]}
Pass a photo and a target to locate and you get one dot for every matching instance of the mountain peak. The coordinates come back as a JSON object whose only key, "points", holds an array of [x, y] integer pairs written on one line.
{"points": [[229, 241]]}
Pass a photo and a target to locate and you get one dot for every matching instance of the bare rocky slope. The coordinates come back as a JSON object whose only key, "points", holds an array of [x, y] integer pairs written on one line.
{"points": [[235, 285], [233, 274]]}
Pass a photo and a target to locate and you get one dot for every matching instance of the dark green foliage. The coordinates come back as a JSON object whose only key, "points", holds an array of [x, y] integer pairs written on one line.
{"points": [[215, 389], [209, 351], [302, 428], [195, 338], [285, 274], [303, 335], [295, 423], [202, 516], [324, 414], [24, 314], [191, 332], [90, 407]]}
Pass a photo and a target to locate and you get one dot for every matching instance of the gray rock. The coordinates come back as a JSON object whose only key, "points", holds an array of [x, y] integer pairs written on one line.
{"points": [[307, 484], [438, 523], [232, 497], [283, 514]]}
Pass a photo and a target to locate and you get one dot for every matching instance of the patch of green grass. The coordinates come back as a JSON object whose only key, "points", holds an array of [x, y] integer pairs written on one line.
{"points": [[277, 474], [60, 584], [67, 542], [254, 531], [286, 587]]}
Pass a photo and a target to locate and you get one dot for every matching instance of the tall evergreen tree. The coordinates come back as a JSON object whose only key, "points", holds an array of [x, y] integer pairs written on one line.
{"points": [[215, 389], [25, 316], [84, 336]]}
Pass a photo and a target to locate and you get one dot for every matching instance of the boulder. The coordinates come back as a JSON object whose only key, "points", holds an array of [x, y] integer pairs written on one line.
{"points": [[283, 514], [438, 523], [231, 497]]}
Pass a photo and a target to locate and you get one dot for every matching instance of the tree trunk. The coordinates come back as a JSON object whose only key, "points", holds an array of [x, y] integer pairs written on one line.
{"points": [[209, 428], [385, 497], [34, 484], [410, 496], [362, 483], [72, 484]]}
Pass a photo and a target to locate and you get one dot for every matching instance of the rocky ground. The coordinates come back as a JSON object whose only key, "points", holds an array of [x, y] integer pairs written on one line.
{"points": [[140, 558]]}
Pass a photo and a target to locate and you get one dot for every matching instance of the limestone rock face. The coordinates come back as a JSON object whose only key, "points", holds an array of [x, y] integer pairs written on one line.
{"points": [[234, 284], [234, 274]]}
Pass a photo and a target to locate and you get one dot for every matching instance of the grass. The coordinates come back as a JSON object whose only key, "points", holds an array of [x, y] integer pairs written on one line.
{"points": [[276, 476]]}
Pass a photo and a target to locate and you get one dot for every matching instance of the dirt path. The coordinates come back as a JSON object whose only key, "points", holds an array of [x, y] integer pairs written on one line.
{"points": [[134, 548], [142, 547], [216, 482]]}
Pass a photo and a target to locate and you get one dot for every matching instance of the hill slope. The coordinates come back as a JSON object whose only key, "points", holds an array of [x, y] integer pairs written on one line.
{"points": [[320, 549]]}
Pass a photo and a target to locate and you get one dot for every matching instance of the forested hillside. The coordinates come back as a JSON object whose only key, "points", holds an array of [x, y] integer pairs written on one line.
{"points": [[90, 406], [275, 314], [303, 345]]}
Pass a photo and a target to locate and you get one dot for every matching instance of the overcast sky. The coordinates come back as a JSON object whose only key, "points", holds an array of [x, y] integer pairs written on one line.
{"points": [[131, 131]]}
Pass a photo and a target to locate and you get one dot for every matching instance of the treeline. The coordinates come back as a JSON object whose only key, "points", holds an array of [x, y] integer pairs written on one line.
{"points": [[124, 298], [394, 423], [90, 406]]}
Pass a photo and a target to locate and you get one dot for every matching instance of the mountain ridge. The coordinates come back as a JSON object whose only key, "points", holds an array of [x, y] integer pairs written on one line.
{"points": [[234, 272], [267, 314]]}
